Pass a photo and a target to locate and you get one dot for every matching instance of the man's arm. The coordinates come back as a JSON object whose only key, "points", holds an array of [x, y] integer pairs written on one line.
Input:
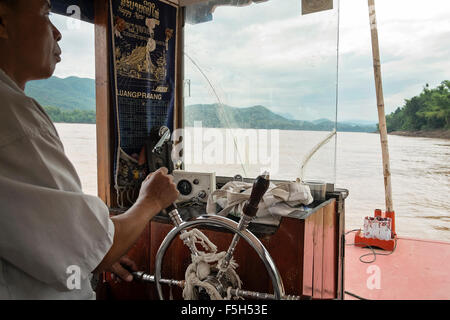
{"points": [[157, 192]]}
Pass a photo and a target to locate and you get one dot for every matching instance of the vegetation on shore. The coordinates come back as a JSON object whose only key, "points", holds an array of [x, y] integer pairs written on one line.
{"points": [[436, 134], [429, 111], [70, 116]]}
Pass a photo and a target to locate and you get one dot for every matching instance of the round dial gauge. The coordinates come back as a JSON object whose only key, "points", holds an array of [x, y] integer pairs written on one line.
{"points": [[185, 187]]}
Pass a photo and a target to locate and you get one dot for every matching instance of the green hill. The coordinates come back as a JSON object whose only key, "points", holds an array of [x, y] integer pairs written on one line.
{"points": [[259, 117], [70, 93], [70, 116], [430, 110]]}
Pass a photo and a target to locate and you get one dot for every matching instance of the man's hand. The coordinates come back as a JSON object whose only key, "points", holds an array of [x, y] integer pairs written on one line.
{"points": [[157, 193], [158, 190], [120, 269]]}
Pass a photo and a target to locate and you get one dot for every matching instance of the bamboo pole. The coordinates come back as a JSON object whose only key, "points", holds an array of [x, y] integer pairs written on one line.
{"points": [[380, 104]]}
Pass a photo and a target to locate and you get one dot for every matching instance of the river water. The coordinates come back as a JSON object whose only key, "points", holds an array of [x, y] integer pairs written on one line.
{"points": [[420, 173]]}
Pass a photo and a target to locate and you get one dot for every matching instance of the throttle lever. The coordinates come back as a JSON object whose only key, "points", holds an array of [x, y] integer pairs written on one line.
{"points": [[259, 188], [164, 133], [249, 211]]}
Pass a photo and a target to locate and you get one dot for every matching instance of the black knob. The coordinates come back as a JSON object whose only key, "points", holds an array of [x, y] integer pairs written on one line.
{"points": [[185, 187], [260, 187]]}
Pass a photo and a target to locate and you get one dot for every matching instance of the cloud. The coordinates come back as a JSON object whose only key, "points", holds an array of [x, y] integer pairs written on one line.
{"points": [[78, 49], [414, 51]]}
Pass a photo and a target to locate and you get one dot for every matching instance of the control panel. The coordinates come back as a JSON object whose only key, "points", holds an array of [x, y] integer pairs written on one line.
{"points": [[194, 186]]}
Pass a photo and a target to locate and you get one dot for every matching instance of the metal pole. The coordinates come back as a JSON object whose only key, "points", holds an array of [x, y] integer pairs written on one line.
{"points": [[380, 104]]}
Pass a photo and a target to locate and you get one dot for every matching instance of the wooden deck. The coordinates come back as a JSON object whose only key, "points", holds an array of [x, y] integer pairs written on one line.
{"points": [[417, 270]]}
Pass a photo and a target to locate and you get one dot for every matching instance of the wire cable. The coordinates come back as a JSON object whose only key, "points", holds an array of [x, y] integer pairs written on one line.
{"points": [[355, 295], [221, 108], [374, 253]]}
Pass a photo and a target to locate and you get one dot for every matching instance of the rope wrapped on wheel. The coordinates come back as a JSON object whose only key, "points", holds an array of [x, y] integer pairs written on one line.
{"points": [[205, 264]]}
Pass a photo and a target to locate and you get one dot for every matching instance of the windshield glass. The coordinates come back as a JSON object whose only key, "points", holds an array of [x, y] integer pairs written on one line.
{"points": [[260, 89]]}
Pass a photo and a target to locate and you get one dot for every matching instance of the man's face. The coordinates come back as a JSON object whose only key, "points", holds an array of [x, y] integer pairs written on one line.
{"points": [[33, 38]]}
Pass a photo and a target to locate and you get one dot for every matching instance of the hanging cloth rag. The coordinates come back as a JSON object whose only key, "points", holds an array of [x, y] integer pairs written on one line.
{"points": [[279, 201]]}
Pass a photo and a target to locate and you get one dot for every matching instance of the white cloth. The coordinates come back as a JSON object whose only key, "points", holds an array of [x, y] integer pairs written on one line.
{"points": [[47, 223], [279, 200]]}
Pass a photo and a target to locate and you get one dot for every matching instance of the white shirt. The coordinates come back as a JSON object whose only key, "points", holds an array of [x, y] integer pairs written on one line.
{"points": [[49, 229]]}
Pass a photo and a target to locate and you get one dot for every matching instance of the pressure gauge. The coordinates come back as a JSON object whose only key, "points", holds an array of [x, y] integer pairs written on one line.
{"points": [[185, 187], [194, 186]]}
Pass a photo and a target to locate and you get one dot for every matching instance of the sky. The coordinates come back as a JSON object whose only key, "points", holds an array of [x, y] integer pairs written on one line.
{"points": [[269, 54]]}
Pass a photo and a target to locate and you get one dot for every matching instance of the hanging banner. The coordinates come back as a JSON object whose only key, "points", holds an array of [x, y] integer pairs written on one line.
{"points": [[312, 6], [143, 47]]}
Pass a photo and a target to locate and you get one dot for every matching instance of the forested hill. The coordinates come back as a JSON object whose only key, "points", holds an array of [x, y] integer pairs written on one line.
{"points": [[71, 93], [70, 116], [259, 117], [69, 100], [430, 110]]}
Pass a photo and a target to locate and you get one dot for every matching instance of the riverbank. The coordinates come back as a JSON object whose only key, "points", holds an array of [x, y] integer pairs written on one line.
{"points": [[436, 134]]}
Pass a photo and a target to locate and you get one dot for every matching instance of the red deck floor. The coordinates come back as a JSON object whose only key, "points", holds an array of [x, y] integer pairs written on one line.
{"points": [[417, 270]]}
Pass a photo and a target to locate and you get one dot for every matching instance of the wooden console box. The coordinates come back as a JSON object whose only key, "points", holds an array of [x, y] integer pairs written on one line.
{"points": [[308, 253]]}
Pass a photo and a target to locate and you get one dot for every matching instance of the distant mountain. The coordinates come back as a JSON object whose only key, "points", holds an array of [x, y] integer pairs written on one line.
{"points": [[286, 115], [259, 117], [319, 121], [69, 93], [360, 122], [66, 98]]}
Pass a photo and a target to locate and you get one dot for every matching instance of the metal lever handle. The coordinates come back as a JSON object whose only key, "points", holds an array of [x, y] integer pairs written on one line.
{"points": [[172, 212], [260, 187], [164, 133], [249, 211], [174, 215]]}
